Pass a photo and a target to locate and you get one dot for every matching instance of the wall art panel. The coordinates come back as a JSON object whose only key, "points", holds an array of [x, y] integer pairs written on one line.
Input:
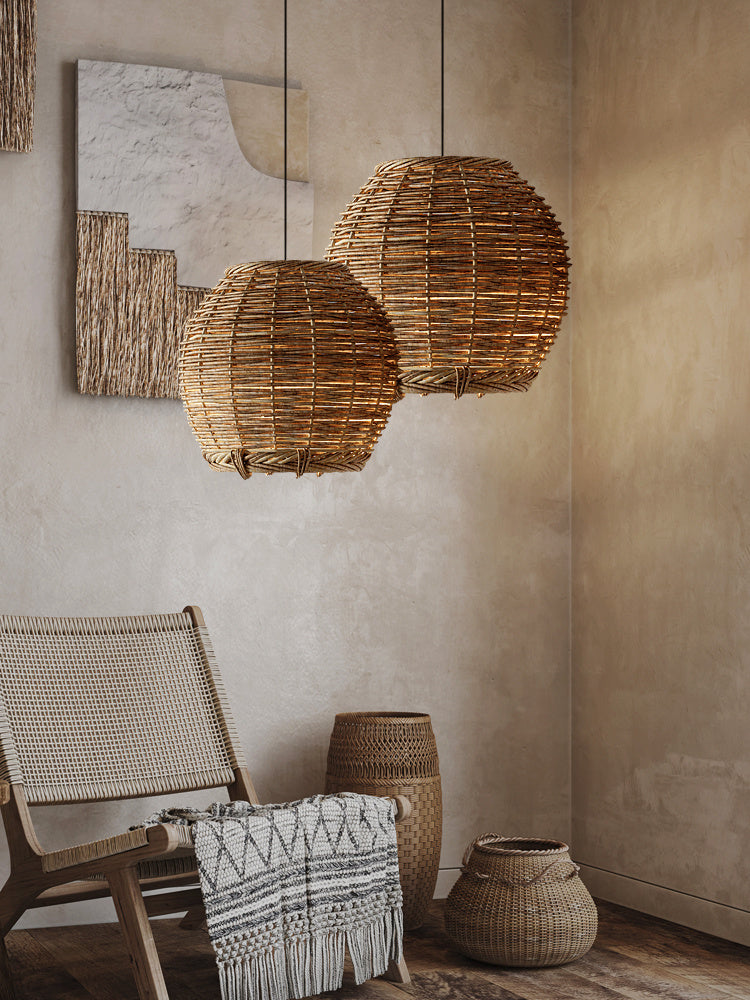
{"points": [[164, 150]]}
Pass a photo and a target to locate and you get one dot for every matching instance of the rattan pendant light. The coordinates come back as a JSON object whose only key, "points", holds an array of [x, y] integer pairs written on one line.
{"points": [[469, 263], [288, 366]]}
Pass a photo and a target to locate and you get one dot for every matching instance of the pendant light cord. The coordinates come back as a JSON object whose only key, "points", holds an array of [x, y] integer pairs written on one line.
{"points": [[442, 77], [285, 128]]}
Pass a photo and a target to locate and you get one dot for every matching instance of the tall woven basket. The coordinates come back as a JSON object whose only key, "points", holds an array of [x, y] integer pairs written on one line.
{"points": [[520, 903], [394, 753]]}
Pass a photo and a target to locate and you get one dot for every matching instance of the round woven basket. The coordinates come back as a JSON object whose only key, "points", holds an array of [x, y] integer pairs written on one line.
{"points": [[470, 265], [520, 902], [288, 366], [394, 753]]}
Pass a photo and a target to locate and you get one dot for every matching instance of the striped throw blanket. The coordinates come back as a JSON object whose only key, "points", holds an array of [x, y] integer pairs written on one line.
{"points": [[288, 888]]}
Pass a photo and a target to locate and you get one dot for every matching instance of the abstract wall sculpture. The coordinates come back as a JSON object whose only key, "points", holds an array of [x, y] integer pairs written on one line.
{"points": [[17, 74], [164, 162]]}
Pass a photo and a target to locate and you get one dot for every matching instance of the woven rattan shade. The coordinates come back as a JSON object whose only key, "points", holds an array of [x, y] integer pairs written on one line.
{"points": [[101, 708], [470, 265], [288, 366]]}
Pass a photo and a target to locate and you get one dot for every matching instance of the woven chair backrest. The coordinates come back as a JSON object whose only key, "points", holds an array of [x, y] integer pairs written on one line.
{"points": [[109, 708]]}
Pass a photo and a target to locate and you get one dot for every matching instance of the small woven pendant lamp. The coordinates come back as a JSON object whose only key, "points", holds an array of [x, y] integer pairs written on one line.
{"points": [[468, 262], [288, 366]]}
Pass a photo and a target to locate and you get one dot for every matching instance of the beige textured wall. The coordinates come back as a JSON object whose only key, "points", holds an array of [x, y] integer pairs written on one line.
{"points": [[435, 580], [661, 456]]}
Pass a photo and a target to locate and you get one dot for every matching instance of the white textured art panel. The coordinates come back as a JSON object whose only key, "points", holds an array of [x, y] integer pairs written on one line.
{"points": [[159, 144]]}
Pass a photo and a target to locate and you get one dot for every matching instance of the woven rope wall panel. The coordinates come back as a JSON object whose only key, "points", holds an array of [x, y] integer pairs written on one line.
{"points": [[520, 903], [152, 291], [17, 74], [110, 708], [389, 753], [101, 302], [288, 367], [470, 265], [189, 298], [130, 312]]}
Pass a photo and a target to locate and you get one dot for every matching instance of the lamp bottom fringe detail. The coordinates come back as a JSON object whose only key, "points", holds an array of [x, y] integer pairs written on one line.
{"points": [[296, 460], [466, 379]]}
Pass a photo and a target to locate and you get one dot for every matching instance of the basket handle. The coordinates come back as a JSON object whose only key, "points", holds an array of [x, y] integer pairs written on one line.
{"points": [[483, 838], [514, 883]]}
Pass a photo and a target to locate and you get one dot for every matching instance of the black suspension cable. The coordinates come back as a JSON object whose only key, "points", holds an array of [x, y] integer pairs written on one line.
{"points": [[442, 77], [285, 127]]}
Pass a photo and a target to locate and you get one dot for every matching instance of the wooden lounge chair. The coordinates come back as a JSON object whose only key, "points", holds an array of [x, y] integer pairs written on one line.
{"points": [[100, 709]]}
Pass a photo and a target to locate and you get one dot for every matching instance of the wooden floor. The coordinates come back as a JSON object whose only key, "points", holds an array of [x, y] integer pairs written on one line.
{"points": [[635, 957]]}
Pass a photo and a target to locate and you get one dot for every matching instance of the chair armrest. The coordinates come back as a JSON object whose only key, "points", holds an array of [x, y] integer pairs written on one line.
{"points": [[4, 793], [140, 844]]}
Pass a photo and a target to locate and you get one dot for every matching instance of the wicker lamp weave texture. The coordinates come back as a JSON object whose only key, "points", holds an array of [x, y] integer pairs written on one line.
{"points": [[394, 753], [470, 265], [288, 366], [520, 903]]}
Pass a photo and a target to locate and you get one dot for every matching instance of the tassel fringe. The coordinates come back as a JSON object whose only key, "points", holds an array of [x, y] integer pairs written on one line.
{"points": [[314, 964]]}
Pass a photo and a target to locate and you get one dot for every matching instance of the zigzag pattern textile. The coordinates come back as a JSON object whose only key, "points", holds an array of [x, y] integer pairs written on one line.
{"points": [[289, 888]]}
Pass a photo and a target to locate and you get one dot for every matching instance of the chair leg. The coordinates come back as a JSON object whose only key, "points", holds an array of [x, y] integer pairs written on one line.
{"points": [[6, 983], [131, 912], [397, 972], [13, 904]]}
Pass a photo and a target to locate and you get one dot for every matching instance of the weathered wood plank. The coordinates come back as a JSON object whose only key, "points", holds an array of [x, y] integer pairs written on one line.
{"points": [[459, 984], [93, 955], [709, 962], [635, 958], [638, 980], [38, 974]]}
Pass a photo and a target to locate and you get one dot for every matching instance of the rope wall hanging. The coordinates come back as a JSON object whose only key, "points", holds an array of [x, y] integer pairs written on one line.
{"points": [[288, 366], [469, 263], [17, 74]]}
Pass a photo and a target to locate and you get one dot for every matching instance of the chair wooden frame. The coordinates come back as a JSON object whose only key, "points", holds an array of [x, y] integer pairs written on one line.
{"points": [[109, 867]]}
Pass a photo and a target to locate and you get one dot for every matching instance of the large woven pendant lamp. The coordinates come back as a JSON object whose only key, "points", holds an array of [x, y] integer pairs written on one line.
{"points": [[288, 366], [469, 263]]}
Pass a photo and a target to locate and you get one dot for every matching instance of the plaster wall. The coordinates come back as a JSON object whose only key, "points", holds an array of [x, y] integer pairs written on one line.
{"points": [[435, 580], [661, 456]]}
